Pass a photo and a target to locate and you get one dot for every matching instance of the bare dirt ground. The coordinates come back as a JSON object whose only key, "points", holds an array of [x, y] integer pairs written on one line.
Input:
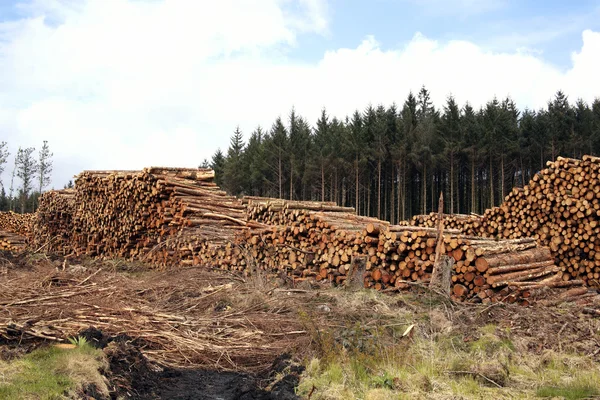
{"points": [[196, 333]]}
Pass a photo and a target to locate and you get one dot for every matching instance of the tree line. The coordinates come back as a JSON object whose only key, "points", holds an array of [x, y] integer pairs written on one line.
{"points": [[390, 162], [33, 173]]}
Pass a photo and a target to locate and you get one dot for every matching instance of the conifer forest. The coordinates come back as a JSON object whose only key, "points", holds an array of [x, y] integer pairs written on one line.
{"points": [[392, 162]]}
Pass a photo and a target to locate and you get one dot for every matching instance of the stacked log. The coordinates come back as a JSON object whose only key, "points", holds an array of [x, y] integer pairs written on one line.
{"points": [[320, 245], [469, 224], [174, 216], [20, 224], [560, 208], [15, 230], [53, 223], [12, 242], [163, 216]]}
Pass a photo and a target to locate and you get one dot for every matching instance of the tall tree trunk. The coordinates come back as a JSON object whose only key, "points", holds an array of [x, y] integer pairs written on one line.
{"points": [[398, 193], [291, 181], [491, 179], [369, 199], [379, 188], [424, 209], [502, 176], [404, 191], [280, 179], [322, 181], [392, 198], [473, 205], [522, 171], [336, 187], [451, 182], [357, 191]]}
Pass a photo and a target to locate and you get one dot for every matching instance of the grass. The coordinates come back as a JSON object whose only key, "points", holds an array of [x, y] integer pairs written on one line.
{"points": [[359, 360], [53, 373]]}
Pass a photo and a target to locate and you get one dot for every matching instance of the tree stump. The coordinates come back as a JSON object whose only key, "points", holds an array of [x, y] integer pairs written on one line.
{"points": [[356, 274], [442, 275]]}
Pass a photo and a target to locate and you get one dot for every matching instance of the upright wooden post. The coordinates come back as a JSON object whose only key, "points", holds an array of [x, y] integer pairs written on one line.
{"points": [[441, 276]]}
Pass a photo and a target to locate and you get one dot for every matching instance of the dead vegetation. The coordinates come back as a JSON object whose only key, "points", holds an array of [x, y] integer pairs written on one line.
{"points": [[363, 342]]}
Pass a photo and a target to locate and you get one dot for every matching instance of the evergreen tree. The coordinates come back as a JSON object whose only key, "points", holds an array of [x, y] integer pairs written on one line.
{"points": [[322, 149], [471, 131], [596, 127], [255, 163], [450, 133], [276, 152], [561, 123], [234, 171], [218, 165], [583, 129], [4, 201], [354, 143]]}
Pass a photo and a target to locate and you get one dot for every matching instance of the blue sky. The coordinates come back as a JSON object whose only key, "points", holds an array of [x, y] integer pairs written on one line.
{"points": [[126, 84], [552, 27]]}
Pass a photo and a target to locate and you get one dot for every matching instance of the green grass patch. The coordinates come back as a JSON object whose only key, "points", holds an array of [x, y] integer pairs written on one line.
{"points": [[367, 359], [53, 373], [568, 392]]}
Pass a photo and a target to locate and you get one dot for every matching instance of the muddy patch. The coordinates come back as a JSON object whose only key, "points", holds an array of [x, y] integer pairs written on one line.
{"points": [[132, 376]]}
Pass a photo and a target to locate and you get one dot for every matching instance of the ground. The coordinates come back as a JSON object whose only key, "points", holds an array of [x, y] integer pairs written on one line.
{"points": [[195, 333]]}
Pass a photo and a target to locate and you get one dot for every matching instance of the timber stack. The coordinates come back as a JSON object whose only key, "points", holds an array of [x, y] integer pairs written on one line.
{"points": [[177, 216], [160, 215], [53, 223], [305, 243], [560, 208], [469, 224], [15, 230]]}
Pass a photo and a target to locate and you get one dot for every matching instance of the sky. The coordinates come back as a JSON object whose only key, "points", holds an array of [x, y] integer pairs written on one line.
{"points": [[125, 84]]}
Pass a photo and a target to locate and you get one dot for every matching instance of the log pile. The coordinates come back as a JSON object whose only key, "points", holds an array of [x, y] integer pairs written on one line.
{"points": [[308, 244], [175, 216], [15, 230], [560, 208], [469, 224], [164, 216], [53, 223]]}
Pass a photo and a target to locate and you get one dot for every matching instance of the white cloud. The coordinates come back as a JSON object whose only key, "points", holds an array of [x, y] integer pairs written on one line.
{"points": [[132, 83], [459, 8]]}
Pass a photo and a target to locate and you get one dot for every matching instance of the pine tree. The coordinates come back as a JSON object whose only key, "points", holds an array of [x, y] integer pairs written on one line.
{"points": [[583, 129], [255, 163], [471, 130], [218, 165], [596, 127], [561, 122], [450, 133], [234, 171], [276, 152], [354, 144], [379, 146], [299, 143], [4, 201], [322, 148]]}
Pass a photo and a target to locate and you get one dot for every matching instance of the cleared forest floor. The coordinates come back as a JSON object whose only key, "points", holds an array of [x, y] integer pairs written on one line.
{"points": [[194, 333]]}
